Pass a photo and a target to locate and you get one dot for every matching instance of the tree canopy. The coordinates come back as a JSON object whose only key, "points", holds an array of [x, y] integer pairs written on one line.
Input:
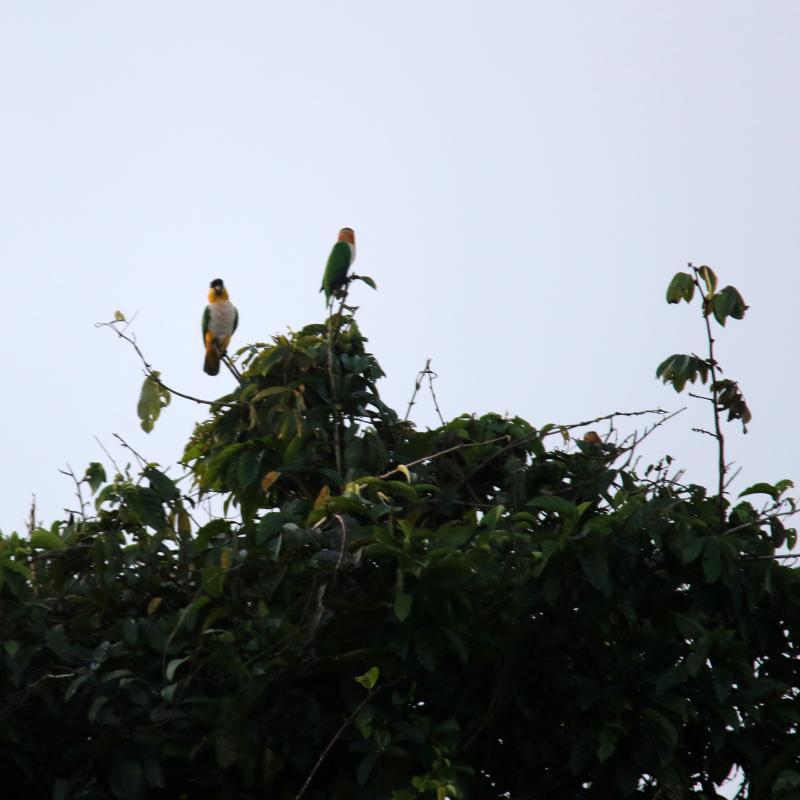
{"points": [[483, 610]]}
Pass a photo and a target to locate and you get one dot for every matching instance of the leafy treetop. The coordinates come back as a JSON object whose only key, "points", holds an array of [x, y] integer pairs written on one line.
{"points": [[385, 612]]}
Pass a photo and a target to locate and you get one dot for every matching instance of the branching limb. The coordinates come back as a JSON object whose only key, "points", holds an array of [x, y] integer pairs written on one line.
{"points": [[151, 373], [417, 387], [765, 517], [639, 438], [110, 457], [143, 462], [608, 417], [722, 467], [226, 360], [425, 371], [342, 728], [69, 472]]}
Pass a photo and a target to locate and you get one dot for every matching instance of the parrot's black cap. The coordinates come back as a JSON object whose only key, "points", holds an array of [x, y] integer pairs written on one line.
{"points": [[217, 284]]}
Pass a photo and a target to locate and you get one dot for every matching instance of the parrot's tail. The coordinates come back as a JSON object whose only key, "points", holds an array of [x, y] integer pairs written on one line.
{"points": [[211, 363]]}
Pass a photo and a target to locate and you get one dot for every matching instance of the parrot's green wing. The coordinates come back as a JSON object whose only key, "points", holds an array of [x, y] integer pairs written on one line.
{"points": [[206, 317], [336, 269]]}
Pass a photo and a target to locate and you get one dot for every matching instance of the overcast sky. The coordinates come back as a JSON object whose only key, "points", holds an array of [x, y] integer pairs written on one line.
{"points": [[523, 177]]}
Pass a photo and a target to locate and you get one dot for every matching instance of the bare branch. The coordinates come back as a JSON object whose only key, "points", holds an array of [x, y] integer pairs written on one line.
{"points": [[143, 462], [762, 519], [733, 476], [608, 417], [111, 458], [31, 524], [426, 371], [639, 438], [722, 467], [82, 503], [150, 372], [417, 387]]}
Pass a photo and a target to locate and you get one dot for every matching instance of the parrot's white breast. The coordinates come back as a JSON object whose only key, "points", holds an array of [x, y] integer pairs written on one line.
{"points": [[221, 316]]}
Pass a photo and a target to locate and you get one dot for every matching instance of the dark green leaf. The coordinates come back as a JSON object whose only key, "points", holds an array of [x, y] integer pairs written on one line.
{"points": [[369, 678], [712, 559], [402, 605], [594, 565], [95, 476], [681, 287]]}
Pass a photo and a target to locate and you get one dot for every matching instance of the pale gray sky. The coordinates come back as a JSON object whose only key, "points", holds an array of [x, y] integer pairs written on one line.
{"points": [[523, 177]]}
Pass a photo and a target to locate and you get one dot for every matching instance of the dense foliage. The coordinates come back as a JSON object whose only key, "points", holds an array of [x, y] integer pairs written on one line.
{"points": [[483, 610]]}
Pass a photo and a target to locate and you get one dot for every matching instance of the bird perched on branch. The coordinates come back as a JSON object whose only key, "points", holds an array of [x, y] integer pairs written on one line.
{"points": [[219, 322], [339, 261]]}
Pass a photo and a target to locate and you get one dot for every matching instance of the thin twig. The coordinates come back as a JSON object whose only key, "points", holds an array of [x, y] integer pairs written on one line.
{"points": [[336, 736], [733, 476], [50, 676], [31, 524], [337, 454], [143, 462], [425, 371], [226, 360], [187, 610], [450, 450], [606, 417], [341, 549], [638, 439], [769, 558], [722, 467], [417, 387], [71, 474], [431, 375], [761, 520], [111, 458], [151, 373]]}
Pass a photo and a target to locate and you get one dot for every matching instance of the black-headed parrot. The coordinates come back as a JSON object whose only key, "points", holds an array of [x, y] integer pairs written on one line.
{"points": [[339, 261], [219, 322]]}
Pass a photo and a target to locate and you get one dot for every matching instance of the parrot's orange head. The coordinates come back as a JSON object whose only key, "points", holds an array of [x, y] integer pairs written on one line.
{"points": [[217, 291], [347, 235]]}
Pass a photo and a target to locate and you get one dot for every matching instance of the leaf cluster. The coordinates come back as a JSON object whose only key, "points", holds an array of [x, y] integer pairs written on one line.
{"points": [[680, 369], [460, 612]]}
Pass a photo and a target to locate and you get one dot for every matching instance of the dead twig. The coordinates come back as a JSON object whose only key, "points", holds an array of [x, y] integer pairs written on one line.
{"points": [[143, 462], [606, 417], [151, 373], [69, 472], [426, 371], [110, 457], [637, 439]]}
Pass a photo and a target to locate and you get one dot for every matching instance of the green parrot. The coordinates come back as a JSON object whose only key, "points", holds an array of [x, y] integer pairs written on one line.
{"points": [[339, 261]]}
